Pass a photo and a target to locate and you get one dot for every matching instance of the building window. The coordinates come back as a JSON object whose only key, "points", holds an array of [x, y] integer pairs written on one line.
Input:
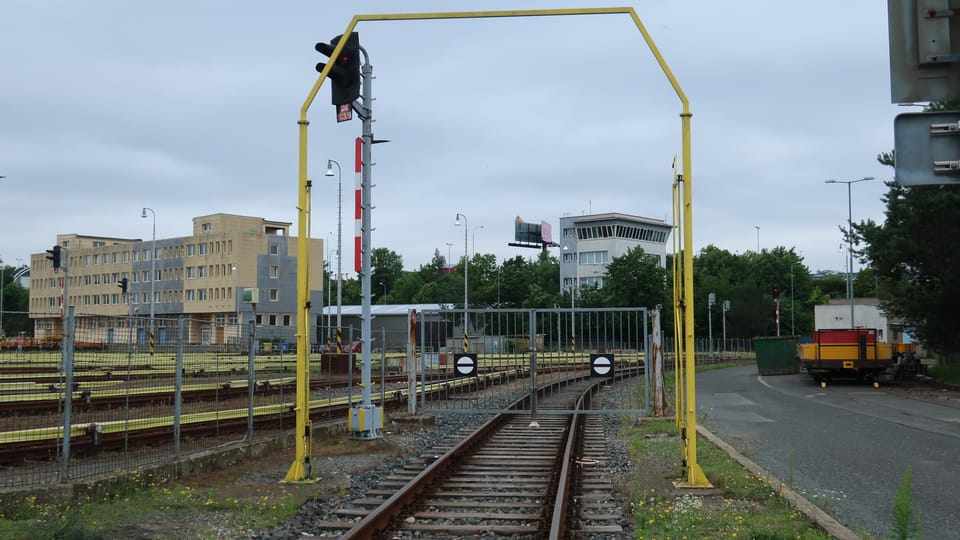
{"points": [[99, 243], [569, 257], [206, 227], [274, 295], [202, 271], [191, 295], [191, 250], [594, 257], [569, 232], [191, 272], [203, 249], [286, 320], [274, 249], [273, 319], [593, 281], [274, 271], [202, 294]]}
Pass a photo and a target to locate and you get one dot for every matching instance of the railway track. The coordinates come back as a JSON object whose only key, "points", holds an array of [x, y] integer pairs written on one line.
{"points": [[517, 476], [93, 438]]}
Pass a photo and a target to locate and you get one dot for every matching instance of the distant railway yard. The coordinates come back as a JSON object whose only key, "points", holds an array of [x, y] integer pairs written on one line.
{"points": [[127, 409]]}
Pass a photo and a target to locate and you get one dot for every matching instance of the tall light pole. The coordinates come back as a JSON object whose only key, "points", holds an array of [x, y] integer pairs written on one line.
{"points": [[153, 269], [793, 307], [1, 294], [474, 233], [726, 308], [849, 236], [758, 237], [329, 172], [449, 247], [711, 300], [466, 267]]}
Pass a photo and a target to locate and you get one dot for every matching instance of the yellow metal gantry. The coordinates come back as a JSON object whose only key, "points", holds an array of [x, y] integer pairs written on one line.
{"points": [[694, 475]]}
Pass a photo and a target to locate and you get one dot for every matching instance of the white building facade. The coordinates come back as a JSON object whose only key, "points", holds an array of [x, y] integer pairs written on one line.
{"points": [[589, 243]]}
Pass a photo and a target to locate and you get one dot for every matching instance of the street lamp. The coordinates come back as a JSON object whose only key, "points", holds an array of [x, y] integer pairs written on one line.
{"points": [[329, 172], [153, 269], [849, 236], [449, 246], [466, 267], [711, 300], [726, 308], [474, 233], [758, 237], [1, 294]]}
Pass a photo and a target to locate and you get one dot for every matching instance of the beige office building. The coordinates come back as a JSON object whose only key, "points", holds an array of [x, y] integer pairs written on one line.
{"points": [[201, 276]]}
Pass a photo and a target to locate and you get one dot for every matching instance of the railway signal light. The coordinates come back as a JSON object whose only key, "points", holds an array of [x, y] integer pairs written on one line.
{"points": [[345, 72], [54, 256], [123, 285], [776, 293]]}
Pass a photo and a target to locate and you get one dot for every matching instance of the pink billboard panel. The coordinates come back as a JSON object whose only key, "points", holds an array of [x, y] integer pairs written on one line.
{"points": [[546, 232]]}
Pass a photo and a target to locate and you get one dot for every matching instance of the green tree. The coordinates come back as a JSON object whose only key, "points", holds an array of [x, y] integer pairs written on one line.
{"points": [[387, 269], [16, 301], [915, 254], [635, 279]]}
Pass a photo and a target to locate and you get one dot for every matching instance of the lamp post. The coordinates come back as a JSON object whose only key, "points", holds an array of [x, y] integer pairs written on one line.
{"points": [[758, 237], [2, 269], [449, 247], [849, 236], [793, 307], [329, 172], [466, 267], [726, 308], [474, 233], [153, 269], [711, 300]]}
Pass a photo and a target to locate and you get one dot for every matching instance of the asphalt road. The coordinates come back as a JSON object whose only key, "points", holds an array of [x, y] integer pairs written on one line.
{"points": [[845, 447]]}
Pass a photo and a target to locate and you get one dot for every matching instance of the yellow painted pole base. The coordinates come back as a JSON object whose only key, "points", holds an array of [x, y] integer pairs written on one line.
{"points": [[299, 472], [695, 479]]}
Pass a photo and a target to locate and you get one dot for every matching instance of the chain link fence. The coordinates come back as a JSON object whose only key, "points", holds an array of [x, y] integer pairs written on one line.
{"points": [[131, 391], [136, 390]]}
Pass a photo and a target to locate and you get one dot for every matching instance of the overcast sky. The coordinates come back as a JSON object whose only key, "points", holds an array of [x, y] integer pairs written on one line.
{"points": [[191, 108]]}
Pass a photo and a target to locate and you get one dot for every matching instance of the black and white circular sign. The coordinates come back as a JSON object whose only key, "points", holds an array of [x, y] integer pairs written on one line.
{"points": [[465, 365], [601, 365]]}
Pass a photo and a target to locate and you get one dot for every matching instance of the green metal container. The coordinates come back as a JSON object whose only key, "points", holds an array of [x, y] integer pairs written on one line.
{"points": [[777, 355]]}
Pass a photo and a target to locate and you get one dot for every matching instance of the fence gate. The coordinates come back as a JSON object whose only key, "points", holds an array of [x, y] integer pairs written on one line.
{"points": [[479, 361]]}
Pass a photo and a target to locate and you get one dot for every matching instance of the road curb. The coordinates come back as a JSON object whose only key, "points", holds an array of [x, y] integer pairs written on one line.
{"points": [[824, 520]]}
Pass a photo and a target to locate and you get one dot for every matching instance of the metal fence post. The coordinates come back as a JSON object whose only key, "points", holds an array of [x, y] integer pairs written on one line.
{"points": [[533, 362], [251, 381], [68, 337], [178, 386]]}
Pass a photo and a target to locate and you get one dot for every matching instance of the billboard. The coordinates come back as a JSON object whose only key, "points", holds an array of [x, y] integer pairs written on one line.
{"points": [[532, 235]]}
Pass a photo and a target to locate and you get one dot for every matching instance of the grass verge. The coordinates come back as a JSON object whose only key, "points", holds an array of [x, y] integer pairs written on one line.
{"points": [[738, 506]]}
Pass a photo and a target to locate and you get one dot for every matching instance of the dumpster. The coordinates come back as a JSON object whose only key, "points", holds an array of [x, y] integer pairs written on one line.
{"points": [[777, 355]]}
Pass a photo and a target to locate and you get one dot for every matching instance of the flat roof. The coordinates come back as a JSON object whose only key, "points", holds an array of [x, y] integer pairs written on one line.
{"points": [[618, 216]]}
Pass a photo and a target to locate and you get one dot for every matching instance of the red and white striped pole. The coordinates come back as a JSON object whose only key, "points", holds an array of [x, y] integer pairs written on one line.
{"points": [[358, 212]]}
